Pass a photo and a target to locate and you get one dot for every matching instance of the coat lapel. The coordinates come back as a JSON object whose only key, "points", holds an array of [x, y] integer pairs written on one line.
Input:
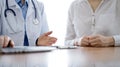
{"points": [[30, 9]]}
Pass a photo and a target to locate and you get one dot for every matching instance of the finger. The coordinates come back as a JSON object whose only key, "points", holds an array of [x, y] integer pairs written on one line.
{"points": [[6, 41], [86, 43], [83, 43], [95, 45], [85, 40], [48, 33], [85, 37], [93, 37], [50, 43], [93, 40], [53, 39]]}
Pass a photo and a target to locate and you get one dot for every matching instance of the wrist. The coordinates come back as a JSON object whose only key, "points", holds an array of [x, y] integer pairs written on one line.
{"points": [[36, 42], [77, 42], [111, 41]]}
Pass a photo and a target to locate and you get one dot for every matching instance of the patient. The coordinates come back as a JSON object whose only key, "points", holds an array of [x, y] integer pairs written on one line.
{"points": [[94, 23]]}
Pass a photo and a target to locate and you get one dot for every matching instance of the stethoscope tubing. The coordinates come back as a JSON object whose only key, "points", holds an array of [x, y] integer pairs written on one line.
{"points": [[34, 9], [8, 9]]}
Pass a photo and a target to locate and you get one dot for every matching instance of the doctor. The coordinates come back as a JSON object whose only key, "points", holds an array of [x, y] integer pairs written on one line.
{"points": [[24, 21]]}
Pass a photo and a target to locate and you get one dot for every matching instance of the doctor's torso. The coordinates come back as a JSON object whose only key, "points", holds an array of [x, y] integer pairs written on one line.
{"points": [[14, 26]]}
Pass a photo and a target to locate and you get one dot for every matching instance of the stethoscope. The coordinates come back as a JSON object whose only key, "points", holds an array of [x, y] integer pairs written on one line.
{"points": [[35, 21]]}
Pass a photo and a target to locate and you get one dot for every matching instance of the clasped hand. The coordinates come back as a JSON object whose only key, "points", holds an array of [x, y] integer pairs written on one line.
{"points": [[97, 41]]}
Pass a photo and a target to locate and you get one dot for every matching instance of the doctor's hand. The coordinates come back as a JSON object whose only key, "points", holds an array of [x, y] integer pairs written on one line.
{"points": [[5, 41], [46, 40], [101, 41]]}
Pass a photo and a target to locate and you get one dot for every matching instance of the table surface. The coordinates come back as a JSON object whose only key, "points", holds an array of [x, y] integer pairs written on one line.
{"points": [[80, 57]]}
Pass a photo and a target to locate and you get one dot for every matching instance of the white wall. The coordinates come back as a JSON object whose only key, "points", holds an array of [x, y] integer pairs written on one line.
{"points": [[57, 12]]}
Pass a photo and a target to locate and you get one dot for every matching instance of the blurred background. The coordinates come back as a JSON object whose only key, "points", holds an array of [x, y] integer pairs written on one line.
{"points": [[57, 13]]}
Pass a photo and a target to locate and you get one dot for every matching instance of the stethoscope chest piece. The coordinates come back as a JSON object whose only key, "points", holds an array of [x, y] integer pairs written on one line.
{"points": [[35, 21]]}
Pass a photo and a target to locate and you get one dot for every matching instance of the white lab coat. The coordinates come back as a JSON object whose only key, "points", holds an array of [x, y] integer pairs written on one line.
{"points": [[14, 26]]}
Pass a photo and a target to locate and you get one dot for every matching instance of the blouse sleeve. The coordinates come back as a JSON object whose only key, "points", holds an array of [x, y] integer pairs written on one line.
{"points": [[70, 38], [117, 37]]}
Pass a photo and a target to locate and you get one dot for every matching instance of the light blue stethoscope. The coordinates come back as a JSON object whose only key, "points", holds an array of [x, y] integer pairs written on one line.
{"points": [[35, 21]]}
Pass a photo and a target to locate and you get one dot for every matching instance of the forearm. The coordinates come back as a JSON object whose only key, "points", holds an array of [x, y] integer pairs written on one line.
{"points": [[73, 42]]}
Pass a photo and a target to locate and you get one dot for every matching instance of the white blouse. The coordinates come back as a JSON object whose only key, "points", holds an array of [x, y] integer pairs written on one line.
{"points": [[82, 21]]}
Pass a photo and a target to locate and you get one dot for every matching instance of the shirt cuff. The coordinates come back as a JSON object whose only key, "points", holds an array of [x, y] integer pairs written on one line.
{"points": [[36, 42], [74, 42], [117, 40], [71, 42], [77, 41]]}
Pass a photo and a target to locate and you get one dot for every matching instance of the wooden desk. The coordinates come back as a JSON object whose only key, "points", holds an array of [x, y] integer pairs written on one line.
{"points": [[81, 57]]}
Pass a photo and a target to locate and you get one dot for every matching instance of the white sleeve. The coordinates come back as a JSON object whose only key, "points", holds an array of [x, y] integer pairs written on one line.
{"points": [[44, 27], [0, 16], [0, 7], [70, 38], [117, 40], [117, 37]]}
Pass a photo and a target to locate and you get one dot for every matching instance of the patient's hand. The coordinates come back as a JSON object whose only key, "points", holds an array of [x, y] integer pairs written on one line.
{"points": [[85, 41], [101, 41], [46, 40], [6, 41]]}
